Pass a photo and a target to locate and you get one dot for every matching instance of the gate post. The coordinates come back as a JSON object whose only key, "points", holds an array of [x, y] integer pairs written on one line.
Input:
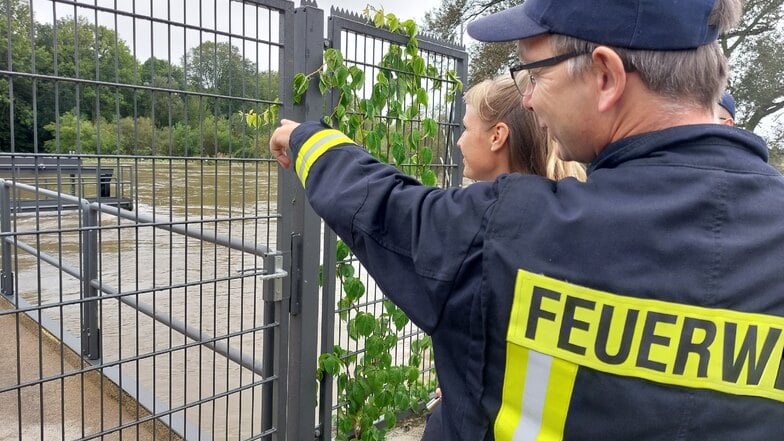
{"points": [[91, 333], [299, 228], [7, 273]]}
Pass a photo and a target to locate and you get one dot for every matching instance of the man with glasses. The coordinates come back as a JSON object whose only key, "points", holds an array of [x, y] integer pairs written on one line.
{"points": [[644, 304]]}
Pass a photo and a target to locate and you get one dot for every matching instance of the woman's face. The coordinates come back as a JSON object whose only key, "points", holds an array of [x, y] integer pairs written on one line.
{"points": [[483, 160]]}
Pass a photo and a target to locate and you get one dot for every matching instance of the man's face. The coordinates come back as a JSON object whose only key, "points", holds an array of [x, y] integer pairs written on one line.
{"points": [[561, 103]]}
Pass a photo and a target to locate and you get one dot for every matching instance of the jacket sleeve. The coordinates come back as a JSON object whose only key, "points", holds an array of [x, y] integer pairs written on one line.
{"points": [[413, 239]]}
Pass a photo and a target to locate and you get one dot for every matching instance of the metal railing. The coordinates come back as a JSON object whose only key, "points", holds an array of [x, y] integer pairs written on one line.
{"points": [[93, 289]]}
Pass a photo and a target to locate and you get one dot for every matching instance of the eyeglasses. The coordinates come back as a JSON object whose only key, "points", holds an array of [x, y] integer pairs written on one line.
{"points": [[552, 61]]}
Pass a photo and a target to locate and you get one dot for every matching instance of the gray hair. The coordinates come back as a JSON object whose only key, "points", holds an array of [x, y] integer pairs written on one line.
{"points": [[696, 75]]}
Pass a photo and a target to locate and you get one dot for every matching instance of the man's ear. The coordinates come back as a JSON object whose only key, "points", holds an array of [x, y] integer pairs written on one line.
{"points": [[500, 136], [609, 77]]}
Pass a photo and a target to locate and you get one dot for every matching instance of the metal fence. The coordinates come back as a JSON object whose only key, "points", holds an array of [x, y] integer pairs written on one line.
{"points": [[160, 280], [363, 45]]}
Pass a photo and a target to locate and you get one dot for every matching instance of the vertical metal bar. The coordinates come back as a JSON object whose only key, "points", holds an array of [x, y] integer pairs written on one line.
{"points": [[7, 273], [457, 156], [273, 297], [327, 330], [91, 334], [303, 43]]}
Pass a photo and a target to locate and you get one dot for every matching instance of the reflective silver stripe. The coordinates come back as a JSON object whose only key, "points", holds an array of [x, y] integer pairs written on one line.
{"points": [[536, 380], [305, 156]]}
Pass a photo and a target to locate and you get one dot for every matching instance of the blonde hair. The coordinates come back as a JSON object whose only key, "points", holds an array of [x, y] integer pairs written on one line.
{"points": [[530, 151]]}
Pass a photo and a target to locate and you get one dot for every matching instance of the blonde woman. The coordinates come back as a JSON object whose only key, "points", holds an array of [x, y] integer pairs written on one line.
{"points": [[500, 136]]}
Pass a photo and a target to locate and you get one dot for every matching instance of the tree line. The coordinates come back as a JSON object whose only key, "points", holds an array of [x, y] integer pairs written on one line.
{"points": [[74, 85]]}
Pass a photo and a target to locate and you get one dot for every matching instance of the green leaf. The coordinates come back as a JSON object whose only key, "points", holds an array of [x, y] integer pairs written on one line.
{"points": [[381, 129], [400, 319], [340, 111], [354, 288], [390, 419], [330, 363], [410, 27], [412, 112], [357, 77], [426, 156], [345, 425], [390, 341], [412, 48], [430, 127], [354, 124], [342, 250], [429, 178], [372, 413], [382, 77], [374, 346], [341, 75], [419, 66], [357, 394], [380, 95], [393, 22], [413, 140], [383, 399], [323, 84], [373, 141], [401, 400], [389, 307], [333, 58], [412, 374], [395, 376], [378, 19], [365, 323], [346, 270], [422, 96], [399, 153], [395, 109], [353, 331], [300, 87]]}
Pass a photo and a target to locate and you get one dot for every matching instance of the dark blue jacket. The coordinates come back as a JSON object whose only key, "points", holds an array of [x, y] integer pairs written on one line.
{"points": [[644, 304]]}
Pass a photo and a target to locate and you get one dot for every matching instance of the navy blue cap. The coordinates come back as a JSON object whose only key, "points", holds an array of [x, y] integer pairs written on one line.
{"points": [[728, 102], [632, 24]]}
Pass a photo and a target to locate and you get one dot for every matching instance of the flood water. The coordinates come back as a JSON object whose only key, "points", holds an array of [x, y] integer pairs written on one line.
{"points": [[185, 279]]}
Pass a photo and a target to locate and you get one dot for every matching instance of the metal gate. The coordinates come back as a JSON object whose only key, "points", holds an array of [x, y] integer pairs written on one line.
{"points": [[160, 279]]}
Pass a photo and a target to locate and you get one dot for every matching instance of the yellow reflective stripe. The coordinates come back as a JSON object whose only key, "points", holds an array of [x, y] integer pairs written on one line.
{"points": [[314, 147], [512, 402], [727, 351], [559, 395]]}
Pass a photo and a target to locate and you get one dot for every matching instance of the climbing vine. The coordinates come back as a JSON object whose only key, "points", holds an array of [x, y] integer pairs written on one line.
{"points": [[384, 114]]}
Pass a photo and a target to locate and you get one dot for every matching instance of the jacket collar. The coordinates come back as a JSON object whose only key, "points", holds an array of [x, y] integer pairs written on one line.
{"points": [[703, 141]]}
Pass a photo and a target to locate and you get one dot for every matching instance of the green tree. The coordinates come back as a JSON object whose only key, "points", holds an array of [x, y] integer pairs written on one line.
{"points": [[221, 69], [80, 134], [79, 49], [165, 107], [16, 93], [756, 52]]}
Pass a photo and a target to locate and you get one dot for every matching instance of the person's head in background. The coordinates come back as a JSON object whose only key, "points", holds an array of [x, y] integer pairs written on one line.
{"points": [[725, 110], [500, 136]]}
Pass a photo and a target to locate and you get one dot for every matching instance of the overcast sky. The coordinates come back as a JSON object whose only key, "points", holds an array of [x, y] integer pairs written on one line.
{"points": [[171, 42]]}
